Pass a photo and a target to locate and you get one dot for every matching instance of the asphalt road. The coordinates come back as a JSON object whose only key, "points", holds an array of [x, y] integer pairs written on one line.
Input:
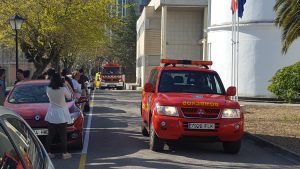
{"points": [[113, 140]]}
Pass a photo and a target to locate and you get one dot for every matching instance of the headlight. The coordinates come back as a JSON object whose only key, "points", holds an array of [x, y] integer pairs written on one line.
{"points": [[231, 113], [75, 115], [167, 110]]}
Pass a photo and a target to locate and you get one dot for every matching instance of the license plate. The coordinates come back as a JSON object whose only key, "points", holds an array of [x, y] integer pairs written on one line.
{"points": [[111, 85], [210, 126], [40, 132]]}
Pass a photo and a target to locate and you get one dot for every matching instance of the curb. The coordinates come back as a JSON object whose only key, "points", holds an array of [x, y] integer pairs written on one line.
{"points": [[277, 147]]}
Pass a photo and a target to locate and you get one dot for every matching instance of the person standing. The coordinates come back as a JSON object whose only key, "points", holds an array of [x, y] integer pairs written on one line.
{"points": [[64, 74], [2, 86], [76, 84], [26, 74], [20, 76], [58, 115]]}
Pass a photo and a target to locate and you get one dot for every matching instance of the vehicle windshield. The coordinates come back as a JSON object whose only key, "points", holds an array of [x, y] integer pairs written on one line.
{"points": [[186, 81], [112, 70], [33, 93]]}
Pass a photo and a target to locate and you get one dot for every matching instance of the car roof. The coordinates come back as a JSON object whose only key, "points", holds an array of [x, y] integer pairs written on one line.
{"points": [[32, 82]]}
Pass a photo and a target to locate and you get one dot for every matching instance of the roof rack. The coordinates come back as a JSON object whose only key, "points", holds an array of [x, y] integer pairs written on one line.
{"points": [[173, 62]]}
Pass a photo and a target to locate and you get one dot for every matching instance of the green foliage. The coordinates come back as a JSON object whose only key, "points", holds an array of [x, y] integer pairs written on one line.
{"points": [[58, 28], [123, 45], [288, 20], [285, 84]]}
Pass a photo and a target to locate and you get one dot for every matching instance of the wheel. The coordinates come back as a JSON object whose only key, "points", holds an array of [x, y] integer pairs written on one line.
{"points": [[232, 147], [120, 88], [156, 144], [144, 130]]}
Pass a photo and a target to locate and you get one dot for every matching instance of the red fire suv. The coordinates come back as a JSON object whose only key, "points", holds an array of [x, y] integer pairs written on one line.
{"points": [[186, 99]]}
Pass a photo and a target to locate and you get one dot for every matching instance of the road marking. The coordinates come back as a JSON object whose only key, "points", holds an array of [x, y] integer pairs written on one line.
{"points": [[87, 136]]}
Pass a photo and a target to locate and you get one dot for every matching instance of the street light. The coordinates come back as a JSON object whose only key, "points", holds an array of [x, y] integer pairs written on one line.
{"points": [[16, 23]]}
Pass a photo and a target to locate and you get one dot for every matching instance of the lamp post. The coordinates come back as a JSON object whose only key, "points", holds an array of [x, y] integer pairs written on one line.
{"points": [[16, 23]]}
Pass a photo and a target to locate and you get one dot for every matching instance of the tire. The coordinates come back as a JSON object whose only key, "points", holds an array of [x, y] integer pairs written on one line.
{"points": [[232, 147], [144, 130], [120, 88], [156, 144]]}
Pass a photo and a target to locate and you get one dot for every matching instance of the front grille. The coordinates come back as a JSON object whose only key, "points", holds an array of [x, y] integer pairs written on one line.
{"points": [[205, 113]]}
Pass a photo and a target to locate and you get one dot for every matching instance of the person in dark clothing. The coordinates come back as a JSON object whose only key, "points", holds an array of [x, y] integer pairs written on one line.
{"points": [[2, 86], [26, 74], [20, 76], [83, 79], [64, 73], [50, 73]]}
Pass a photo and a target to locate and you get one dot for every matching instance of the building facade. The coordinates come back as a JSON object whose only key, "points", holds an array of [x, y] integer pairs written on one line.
{"points": [[211, 29]]}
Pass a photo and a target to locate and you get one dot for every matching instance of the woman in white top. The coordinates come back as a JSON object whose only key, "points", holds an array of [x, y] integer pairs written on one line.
{"points": [[58, 115]]}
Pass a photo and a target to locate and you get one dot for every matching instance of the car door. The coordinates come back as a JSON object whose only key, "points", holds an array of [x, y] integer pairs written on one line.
{"points": [[9, 157], [147, 97], [28, 147]]}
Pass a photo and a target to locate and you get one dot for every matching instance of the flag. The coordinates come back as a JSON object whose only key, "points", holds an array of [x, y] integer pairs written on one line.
{"points": [[241, 4], [233, 6]]}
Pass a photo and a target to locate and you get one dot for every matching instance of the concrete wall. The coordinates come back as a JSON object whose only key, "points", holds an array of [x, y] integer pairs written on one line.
{"points": [[259, 46], [148, 43], [184, 33]]}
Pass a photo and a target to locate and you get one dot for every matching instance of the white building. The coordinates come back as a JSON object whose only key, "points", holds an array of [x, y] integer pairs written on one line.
{"points": [[201, 29]]}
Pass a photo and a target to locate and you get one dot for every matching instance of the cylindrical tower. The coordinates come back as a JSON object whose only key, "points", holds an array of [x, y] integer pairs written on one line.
{"points": [[259, 46]]}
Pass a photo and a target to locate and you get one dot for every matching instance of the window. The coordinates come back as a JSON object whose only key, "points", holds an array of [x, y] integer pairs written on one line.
{"points": [[190, 82], [8, 156], [29, 94], [27, 145], [33, 93], [111, 70], [153, 78]]}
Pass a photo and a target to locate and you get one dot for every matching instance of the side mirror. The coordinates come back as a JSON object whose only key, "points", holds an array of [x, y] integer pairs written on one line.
{"points": [[231, 91], [148, 87], [82, 99]]}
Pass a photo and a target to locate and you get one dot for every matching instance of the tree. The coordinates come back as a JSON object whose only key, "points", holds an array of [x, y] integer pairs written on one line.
{"points": [[288, 20], [123, 47], [57, 28]]}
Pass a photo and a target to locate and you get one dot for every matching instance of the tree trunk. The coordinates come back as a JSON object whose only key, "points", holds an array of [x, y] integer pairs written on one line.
{"points": [[38, 71]]}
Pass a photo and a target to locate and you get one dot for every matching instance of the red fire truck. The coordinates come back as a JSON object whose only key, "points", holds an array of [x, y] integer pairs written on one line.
{"points": [[186, 99], [112, 76]]}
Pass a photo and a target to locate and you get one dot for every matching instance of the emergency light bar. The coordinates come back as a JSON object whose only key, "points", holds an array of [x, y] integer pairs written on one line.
{"points": [[185, 62]]}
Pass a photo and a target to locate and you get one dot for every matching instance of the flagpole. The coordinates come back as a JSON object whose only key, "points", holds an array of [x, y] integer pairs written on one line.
{"points": [[237, 58], [232, 50]]}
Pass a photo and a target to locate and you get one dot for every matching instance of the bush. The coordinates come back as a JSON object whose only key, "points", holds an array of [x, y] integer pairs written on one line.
{"points": [[285, 84]]}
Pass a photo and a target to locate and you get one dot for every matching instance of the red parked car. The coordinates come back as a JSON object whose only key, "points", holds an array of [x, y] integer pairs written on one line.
{"points": [[29, 99], [185, 99]]}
